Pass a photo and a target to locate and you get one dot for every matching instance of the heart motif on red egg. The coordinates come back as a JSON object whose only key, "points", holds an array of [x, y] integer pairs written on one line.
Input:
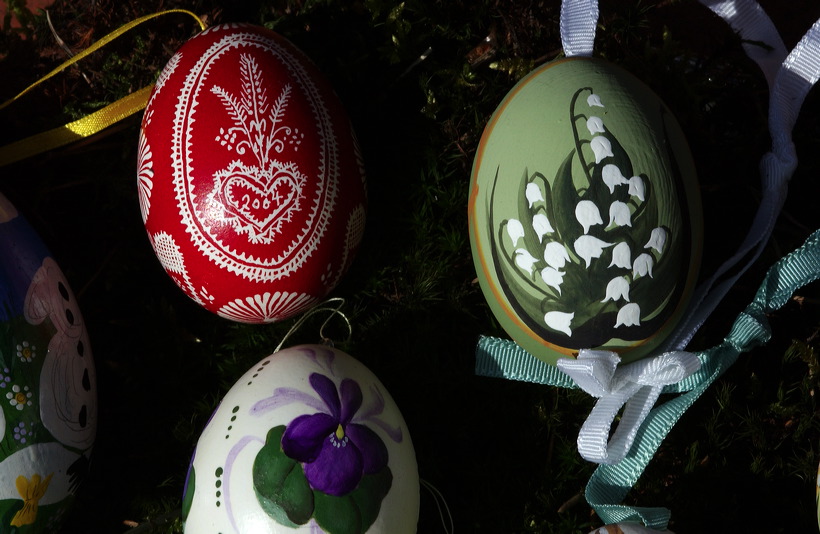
{"points": [[261, 204]]}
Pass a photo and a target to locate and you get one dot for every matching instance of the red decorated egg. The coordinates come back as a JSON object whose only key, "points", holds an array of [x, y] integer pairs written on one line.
{"points": [[251, 184]]}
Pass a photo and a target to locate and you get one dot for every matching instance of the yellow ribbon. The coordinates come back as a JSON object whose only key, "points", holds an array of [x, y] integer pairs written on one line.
{"points": [[90, 124]]}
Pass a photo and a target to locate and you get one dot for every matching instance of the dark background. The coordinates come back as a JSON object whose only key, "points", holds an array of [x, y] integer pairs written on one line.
{"points": [[743, 459]]}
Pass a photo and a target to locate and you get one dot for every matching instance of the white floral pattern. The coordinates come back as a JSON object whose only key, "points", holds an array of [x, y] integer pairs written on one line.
{"points": [[246, 201], [268, 307], [145, 175]]}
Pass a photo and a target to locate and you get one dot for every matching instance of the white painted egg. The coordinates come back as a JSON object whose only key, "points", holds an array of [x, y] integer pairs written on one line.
{"points": [[308, 439]]}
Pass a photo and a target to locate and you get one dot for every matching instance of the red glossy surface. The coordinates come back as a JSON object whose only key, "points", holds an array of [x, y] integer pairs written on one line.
{"points": [[251, 184]]}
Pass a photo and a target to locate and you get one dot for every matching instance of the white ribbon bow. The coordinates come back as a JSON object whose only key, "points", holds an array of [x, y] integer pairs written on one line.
{"points": [[636, 385]]}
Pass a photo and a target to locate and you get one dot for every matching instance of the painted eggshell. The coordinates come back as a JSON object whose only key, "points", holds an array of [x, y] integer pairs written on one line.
{"points": [[307, 439], [48, 387], [251, 184], [584, 213]]}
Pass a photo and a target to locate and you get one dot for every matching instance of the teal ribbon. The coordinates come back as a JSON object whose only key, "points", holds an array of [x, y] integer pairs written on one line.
{"points": [[609, 484]]}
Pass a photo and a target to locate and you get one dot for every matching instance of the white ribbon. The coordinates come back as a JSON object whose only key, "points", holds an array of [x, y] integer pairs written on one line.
{"points": [[761, 40], [790, 77], [636, 385], [579, 19]]}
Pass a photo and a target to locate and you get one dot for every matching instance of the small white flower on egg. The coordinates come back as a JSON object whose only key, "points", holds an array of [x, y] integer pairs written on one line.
{"points": [[533, 193], [657, 239], [629, 315], [19, 397], [594, 100], [589, 247], [559, 321], [621, 256], [525, 260], [643, 265], [515, 230], [612, 176], [617, 288], [541, 225], [619, 214], [601, 147], [26, 351], [556, 255], [552, 277], [595, 125], [587, 213], [637, 188]]}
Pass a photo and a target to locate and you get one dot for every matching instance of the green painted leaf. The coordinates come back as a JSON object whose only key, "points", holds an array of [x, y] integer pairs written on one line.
{"points": [[355, 512], [280, 483], [188, 497], [337, 515], [369, 495]]}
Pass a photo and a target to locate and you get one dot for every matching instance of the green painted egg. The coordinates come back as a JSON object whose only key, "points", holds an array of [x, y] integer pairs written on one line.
{"points": [[584, 213]]}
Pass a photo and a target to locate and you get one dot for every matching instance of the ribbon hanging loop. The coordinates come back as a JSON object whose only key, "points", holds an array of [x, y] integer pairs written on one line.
{"points": [[90, 124]]}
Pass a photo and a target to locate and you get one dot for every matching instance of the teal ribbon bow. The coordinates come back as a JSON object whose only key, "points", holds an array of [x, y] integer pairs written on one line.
{"points": [[609, 484]]}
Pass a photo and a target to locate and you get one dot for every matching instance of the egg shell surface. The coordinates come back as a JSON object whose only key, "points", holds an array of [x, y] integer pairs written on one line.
{"points": [[584, 213], [48, 387], [308, 439], [251, 183]]}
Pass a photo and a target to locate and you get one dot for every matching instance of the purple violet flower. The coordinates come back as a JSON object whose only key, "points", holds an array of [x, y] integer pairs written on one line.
{"points": [[335, 451]]}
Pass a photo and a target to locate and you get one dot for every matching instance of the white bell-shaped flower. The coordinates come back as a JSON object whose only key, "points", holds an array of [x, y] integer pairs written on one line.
{"points": [[589, 247], [533, 193], [657, 239], [619, 214], [642, 265], [559, 321], [595, 125], [515, 230], [621, 256], [601, 147], [525, 260], [617, 288], [541, 225], [637, 188], [629, 315], [588, 214], [556, 255], [612, 176], [552, 277], [594, 100]]}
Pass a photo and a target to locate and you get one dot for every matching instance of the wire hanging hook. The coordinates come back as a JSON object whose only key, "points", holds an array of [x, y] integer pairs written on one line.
{"points": [[323, 307]]}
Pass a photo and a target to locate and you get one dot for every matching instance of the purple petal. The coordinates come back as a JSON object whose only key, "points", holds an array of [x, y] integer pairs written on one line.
{"points": [[351, 400], [371, 447], [338, 469], [305, 435], [327, 391]]}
